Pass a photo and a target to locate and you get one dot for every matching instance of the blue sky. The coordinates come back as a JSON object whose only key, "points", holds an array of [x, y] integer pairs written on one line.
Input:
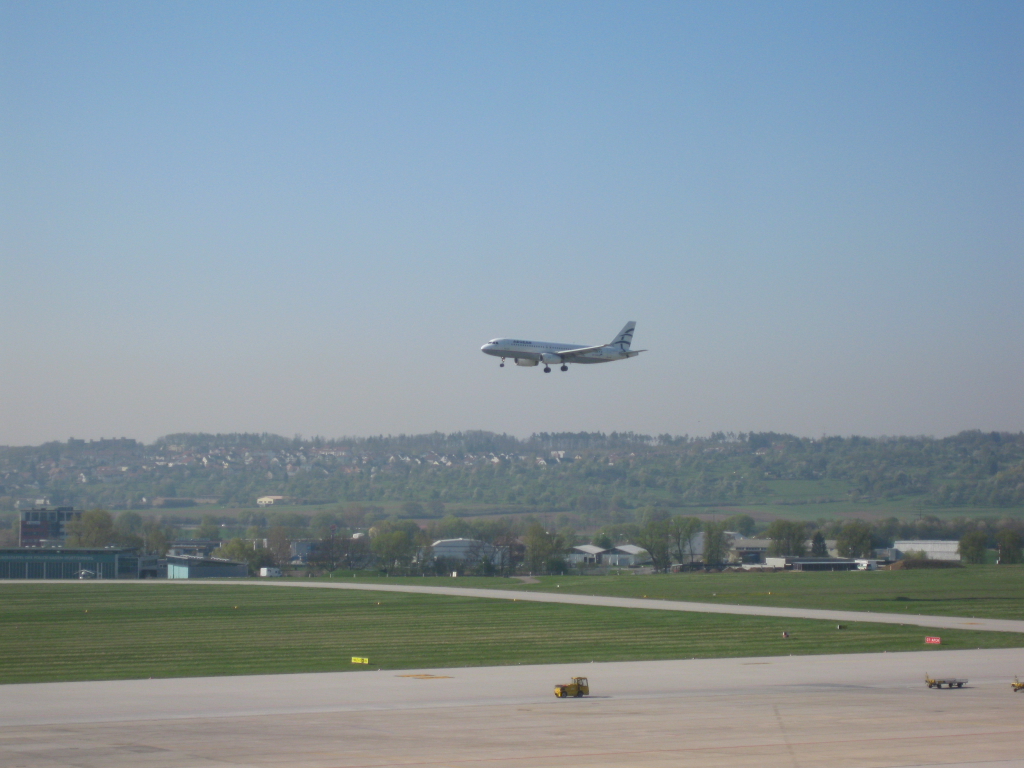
{"points": [[307, 218]]}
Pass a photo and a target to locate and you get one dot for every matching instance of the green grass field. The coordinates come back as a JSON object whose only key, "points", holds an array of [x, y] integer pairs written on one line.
{"points": [[978, 591], [995, 592], [92, 631]]}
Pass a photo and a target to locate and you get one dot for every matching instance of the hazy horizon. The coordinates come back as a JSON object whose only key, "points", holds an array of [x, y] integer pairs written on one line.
{"points": [[307, 218], [522, 438]]}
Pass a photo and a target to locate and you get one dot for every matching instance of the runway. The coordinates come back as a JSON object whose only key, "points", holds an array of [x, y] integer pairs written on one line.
{"points": [[934, 622], [850, 710]]}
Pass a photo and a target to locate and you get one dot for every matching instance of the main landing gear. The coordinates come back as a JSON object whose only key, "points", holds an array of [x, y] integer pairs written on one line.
{"points": [[565, 367], [547, 369]]}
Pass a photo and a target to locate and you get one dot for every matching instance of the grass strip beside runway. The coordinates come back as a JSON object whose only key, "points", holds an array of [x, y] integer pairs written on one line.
{"points": [[95, 631], [984, 591]]}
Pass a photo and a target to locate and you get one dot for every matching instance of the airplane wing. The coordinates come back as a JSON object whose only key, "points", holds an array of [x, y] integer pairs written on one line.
{"points": [[571, 353]]}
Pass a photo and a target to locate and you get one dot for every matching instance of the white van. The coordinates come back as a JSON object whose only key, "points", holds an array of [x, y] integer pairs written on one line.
{"points": [[270, 571]]}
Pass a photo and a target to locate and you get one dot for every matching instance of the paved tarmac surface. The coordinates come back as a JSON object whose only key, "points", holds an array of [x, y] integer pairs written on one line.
{"points": [[866, 710]]}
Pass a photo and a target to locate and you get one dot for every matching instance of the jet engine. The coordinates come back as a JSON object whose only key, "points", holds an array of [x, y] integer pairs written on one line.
{"points": [[524, 362], [550, 359]]}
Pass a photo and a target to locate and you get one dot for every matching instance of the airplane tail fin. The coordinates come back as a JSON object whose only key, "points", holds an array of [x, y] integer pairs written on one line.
{"points": [[624, 337]]}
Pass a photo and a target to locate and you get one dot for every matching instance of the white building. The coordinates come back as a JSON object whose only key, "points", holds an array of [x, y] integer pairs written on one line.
{"points": [[625, 555], [750, 551], [269, 501], [934, 549], [466, 550], [585, 554]]}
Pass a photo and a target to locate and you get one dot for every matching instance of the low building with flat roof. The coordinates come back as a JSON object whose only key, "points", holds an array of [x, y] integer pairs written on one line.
{"points": [[64, 563], [193, 547], [191, 567], [466, 551], [932, 548], [812, 563], [750, 551]]}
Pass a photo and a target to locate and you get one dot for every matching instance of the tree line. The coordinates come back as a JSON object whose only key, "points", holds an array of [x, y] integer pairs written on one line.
{"points": [[594, 473], [526, 544]]}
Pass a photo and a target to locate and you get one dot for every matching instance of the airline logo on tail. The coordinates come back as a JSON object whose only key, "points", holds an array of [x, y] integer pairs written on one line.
{"points": [[625, 337]]}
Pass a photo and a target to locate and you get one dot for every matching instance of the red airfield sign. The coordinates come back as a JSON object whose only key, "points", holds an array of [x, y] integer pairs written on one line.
{"points": [[933, 640]]}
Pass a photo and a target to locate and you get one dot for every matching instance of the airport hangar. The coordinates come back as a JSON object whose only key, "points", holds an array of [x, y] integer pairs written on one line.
{"points": [[34, 563]]}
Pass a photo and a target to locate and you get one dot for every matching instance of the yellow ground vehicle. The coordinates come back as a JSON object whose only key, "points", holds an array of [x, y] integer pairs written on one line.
{"points": [[1017, 685], [951, 682], [578, 687]]}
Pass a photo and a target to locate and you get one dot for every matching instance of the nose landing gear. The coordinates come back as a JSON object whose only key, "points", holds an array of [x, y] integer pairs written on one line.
{"points": [[502, 363]]}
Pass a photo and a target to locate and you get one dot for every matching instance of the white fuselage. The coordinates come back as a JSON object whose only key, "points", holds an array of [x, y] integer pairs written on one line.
{"points": [[548, 351], [530, 353]]}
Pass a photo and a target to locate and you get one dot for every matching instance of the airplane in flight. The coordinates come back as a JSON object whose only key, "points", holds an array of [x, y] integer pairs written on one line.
{"points": [[530, 353]]}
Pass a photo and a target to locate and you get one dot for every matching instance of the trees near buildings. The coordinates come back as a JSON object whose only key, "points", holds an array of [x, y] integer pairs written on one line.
{"points": [[279, 544], [294, 523], [395, 542], [654, 537], [128, 530], [665, 539], [854, 539], [234, 549], [94, 529], [326, 554], [682, 532], [819, 548], [538, 546], [208, 528], [742, 524], [324, 522], [715, 549], [156, 538], [788, 538], [1009, 543], [128, 523], [502, 534], [545, 552], [394, 549], [97, 528], [451, 527], [972, 547], [356, 553], [618, 533], [243, 551]]}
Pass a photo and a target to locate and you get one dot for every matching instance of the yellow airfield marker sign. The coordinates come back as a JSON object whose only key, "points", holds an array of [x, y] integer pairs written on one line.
{"points": [[360, 660]]}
